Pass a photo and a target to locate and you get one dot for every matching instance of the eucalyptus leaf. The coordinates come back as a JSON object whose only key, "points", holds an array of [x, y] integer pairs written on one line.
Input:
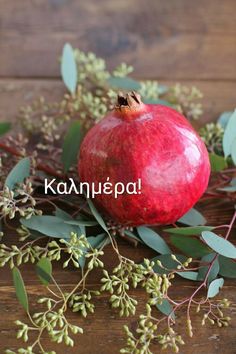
{"points": [[227, 267], [82, 258], [18, 174], [97, 215], [44, 270], [82, 222], [188, 275], [153, 240], [132, 235], [231, 187], [61, 214], [218, 163], [193, 218], [233, 151], [20, 289], [97, 241], [189, 230], [204, 269], [167, 262], [157, 101], [229, 134], [219, 244], [125, 83], [162, 89], [166, 308], [49, 225], [190, 246], [224, 118], [4, 127], [71, 145], [215, 287], [68, 68], [82, 229]]}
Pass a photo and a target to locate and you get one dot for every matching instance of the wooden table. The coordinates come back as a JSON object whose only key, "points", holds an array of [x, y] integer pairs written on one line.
{"points": [[193, 42]]}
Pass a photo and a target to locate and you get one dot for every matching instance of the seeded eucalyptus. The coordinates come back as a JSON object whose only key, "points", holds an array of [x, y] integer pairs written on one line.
{"points": [[212, 135], [57, 228]]}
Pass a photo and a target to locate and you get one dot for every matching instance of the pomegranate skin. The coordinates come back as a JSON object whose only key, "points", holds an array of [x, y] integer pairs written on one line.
{"points": [[151, 142]]}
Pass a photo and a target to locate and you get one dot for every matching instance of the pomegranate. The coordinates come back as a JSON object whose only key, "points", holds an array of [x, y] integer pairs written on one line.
{"points": [[150, 142]]}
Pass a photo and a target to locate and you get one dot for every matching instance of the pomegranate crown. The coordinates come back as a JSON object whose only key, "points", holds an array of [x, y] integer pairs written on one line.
{"points": [[127, 102]]}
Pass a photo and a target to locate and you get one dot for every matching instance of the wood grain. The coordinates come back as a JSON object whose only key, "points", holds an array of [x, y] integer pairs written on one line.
{"points": [[103, 330], [187, 40], [98, 338], [163, 39]]}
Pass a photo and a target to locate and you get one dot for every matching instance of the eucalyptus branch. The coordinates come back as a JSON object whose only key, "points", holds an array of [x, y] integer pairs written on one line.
{"points": [[46, 126]]}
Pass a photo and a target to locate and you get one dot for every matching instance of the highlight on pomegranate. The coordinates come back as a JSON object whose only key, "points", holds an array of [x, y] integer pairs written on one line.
{"points": [[118, 177]]}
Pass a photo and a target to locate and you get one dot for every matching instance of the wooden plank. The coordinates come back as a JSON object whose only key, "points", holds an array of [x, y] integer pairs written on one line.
{"points": [[166, 39], [218, 95], [103, 332], [213, 16], [98, 338]]}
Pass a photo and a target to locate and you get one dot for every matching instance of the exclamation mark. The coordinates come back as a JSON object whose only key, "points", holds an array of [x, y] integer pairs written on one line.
{"points": [[139, 185]]}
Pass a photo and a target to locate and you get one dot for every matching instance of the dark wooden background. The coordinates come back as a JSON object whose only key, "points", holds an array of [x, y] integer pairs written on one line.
{"points": [[193, 42]]}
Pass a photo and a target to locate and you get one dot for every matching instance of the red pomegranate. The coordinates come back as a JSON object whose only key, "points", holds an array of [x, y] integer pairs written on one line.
{"points": [[153, 143]]}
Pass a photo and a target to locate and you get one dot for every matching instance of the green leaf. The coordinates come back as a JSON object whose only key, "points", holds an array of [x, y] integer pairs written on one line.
{"points": [[204, 269], [231, 187], [71, 145], [49, 225], [215, 287], [166, 308], [162, 89], [82, 229], [130, 84], [18, 174], [44, 270], [97, 241], [189, 230], [4, 127], [219, 244], [82, 222], [82, 259], [125, 83], [233, 151], [132, 235], [189, 246], [193, 218], [224, 118], [229, 134], [218, 163], [20, 288], [61, 214], [69, 68], [157, 101], [153, 240], [227, 267], [167, 262], [97, 215], [188, 275]]}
